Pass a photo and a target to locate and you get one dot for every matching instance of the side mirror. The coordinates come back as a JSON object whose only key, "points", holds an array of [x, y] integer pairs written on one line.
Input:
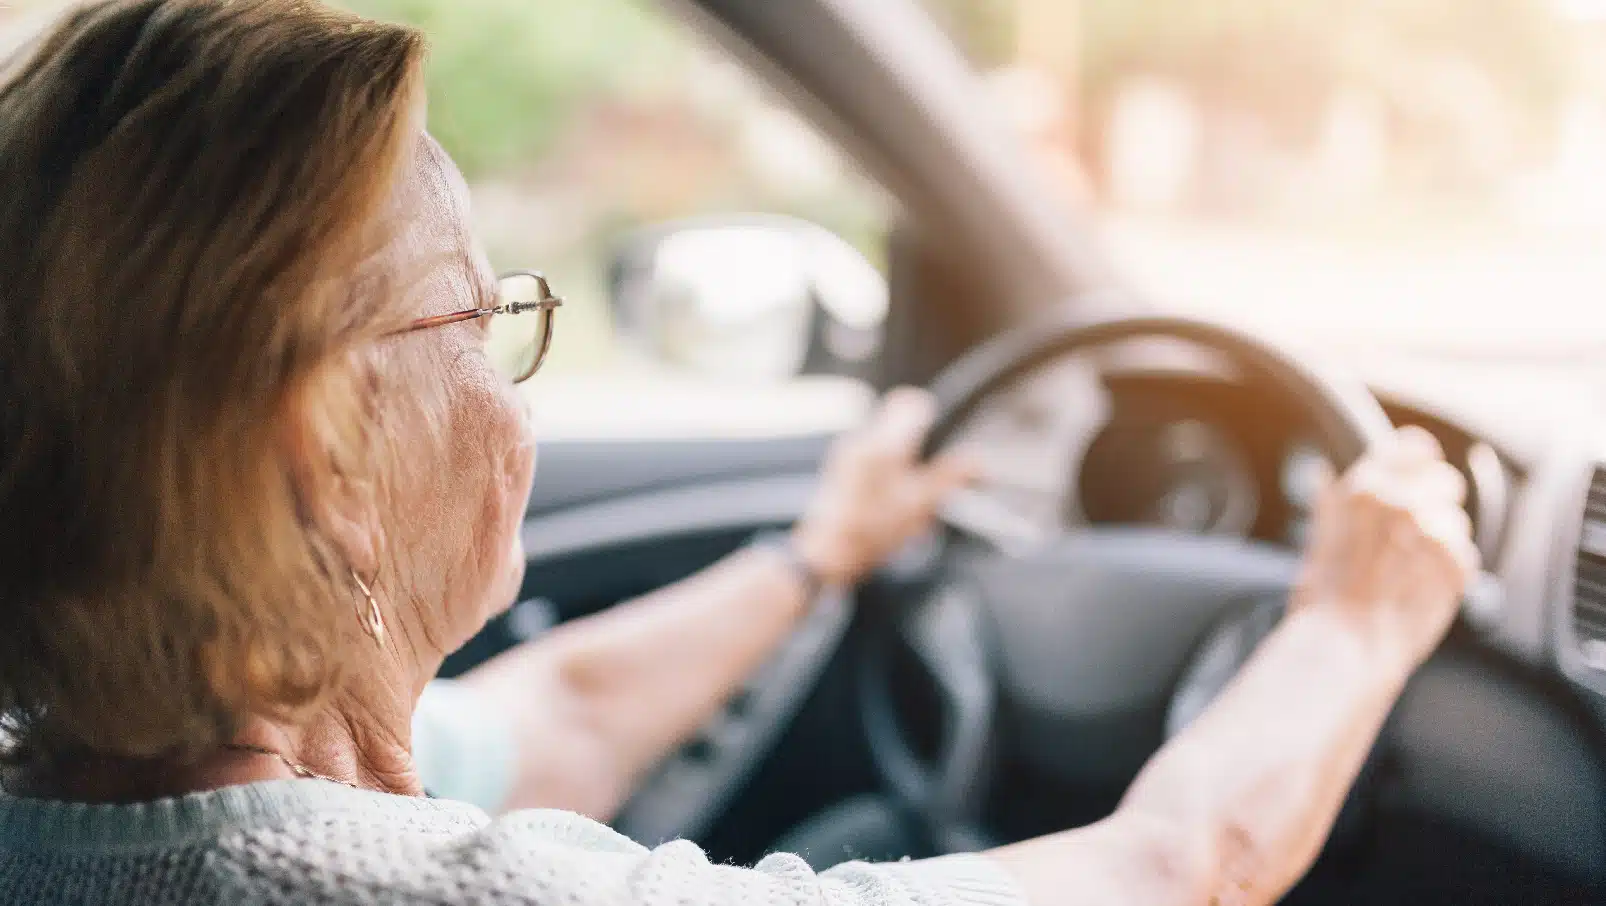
{"points": [[749, 298]]}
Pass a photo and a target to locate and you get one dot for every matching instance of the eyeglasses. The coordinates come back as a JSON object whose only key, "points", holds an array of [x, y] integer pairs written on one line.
{"points": [[521, 324]]}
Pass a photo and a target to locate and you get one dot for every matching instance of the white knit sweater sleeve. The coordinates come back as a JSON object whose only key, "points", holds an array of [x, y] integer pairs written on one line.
{"points": [[559, 859]]}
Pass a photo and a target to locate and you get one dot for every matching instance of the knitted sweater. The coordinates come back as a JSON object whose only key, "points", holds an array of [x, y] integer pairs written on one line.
{"points": [[312, 842]]}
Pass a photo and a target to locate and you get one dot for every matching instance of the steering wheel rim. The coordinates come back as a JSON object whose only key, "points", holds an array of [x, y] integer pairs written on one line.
{"points": [[943, 791], [1348, 419]]}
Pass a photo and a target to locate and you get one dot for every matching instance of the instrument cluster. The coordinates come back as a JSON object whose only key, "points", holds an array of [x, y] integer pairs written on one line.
{"points": [[1074, 445]]}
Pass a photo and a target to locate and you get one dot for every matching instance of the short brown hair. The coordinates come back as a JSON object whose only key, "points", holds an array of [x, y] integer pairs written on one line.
{"points": [[185, 188]]}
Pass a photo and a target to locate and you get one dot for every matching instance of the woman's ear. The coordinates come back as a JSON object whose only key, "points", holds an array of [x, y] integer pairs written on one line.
{"points": [[320, 449], [352, 525]]}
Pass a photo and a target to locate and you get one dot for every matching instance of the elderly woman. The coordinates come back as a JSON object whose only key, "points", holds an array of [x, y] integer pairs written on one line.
{"points": [[260, 475]]}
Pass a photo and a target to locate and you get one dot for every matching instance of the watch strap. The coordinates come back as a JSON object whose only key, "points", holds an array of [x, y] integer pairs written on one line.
{"points": [[783, 544]]}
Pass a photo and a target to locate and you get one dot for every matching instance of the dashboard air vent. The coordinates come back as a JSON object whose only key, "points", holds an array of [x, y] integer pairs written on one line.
{"points": [[1589, 577]]}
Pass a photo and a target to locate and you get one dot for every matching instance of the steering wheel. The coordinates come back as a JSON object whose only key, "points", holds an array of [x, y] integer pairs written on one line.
{"points": [[991, 626]]}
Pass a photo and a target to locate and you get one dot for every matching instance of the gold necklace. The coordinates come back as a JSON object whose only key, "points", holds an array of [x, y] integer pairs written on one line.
{"points": [[300, 770]]}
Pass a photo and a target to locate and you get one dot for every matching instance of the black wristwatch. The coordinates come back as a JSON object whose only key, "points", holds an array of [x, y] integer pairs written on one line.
{"points": [[783, 544]]}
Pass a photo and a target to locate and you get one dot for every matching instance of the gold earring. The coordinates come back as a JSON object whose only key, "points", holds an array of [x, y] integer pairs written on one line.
{"points": [[373, 622]]}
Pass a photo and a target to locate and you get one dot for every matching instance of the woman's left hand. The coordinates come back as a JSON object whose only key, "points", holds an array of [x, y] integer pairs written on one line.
{"points": [[875, 495]]}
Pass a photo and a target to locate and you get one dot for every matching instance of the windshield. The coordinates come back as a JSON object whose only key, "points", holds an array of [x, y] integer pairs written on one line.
{"points": [[1421, 175], [1427, 174]]}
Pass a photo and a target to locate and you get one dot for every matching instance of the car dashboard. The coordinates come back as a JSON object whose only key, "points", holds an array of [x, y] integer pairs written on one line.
{"points": [[1147, 434]]}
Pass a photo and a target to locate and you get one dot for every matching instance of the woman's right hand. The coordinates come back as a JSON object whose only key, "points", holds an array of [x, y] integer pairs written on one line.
{"points": [[875, 493], [1392, 547]]}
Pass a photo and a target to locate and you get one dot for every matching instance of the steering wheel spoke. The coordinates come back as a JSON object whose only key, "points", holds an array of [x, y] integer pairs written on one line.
{"points": [[947, 635]]}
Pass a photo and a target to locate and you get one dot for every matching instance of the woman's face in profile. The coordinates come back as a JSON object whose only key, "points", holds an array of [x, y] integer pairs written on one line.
{"points": [[461, 455]]}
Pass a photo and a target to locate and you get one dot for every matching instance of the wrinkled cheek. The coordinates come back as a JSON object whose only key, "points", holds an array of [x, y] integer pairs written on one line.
{"points": [[517, 480], [521, 469]]}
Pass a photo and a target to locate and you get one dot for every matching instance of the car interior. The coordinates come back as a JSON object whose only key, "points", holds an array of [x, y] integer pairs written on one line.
{"points": [[1148, 481]]}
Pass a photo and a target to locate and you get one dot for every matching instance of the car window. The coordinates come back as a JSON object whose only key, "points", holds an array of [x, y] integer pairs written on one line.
{"points": [[579, 123]]}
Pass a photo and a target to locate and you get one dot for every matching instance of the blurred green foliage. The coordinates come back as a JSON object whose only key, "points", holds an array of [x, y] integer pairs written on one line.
{"points": [[504, 75]]}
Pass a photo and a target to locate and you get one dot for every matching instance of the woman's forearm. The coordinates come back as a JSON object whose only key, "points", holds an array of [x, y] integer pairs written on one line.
{"points": [[1263, 774], [653, 671], [1236, 807], [599, 701]]}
